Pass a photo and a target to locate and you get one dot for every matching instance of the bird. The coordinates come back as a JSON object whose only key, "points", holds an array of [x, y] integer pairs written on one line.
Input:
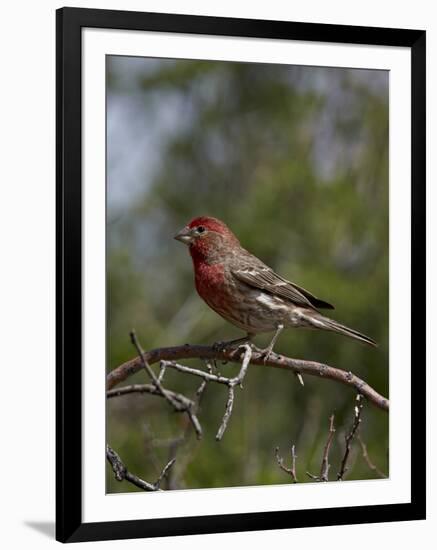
{"points": [[248, 293]]}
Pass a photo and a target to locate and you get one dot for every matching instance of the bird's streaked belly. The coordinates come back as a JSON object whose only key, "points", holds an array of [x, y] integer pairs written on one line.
{"points": [[253, 311]]}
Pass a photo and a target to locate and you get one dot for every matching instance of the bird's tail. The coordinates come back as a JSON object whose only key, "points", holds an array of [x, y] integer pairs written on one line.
{"points": [[325, 323]]}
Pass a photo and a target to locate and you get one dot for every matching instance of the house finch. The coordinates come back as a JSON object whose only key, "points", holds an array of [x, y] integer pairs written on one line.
{"points": [[248, 293]]}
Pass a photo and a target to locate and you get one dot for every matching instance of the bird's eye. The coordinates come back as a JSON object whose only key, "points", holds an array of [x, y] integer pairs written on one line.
{"points": [[201, 229]]}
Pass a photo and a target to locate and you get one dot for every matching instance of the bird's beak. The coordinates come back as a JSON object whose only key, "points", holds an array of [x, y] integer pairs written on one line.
{"points": [[184, 235]]}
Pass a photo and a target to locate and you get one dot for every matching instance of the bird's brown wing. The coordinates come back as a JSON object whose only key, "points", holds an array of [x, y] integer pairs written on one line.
{"points": [[263, 277]]}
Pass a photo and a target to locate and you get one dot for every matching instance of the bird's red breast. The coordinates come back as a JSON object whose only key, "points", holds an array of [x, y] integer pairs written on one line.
{"points": [[210, 254], [209, 279]]}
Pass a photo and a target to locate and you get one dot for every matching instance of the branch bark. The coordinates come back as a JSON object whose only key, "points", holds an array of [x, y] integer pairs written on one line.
{"points": [[366, 458], [290, 471], [122, 473], [324, 468], [349, 438], [182, 403], [179, 402], [297, 366]]}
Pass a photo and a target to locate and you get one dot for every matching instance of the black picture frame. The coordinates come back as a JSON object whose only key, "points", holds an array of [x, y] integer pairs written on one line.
{"points": [[69, 24]]}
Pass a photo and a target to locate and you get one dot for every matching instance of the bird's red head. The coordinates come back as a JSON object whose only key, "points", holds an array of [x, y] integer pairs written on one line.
{"points": [[208, 238]]}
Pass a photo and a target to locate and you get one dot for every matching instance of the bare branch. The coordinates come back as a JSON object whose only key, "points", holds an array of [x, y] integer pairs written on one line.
{"points": [[153, 390], [210, 377], [200, 390], [349, 438], [227, 415], [156, 380], [290, 471], [122, 473], [175, 403], [324, 468], [298, 366], [232, 382], [367, 458], [164, 472], [207, 376], [183, 404]]}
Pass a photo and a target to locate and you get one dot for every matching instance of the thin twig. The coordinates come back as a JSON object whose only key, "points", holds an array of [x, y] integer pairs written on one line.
{"points": [[156, 380], [232, 382], [187, 406], [290, 471], [207, 376], [180, 402], [200, 390], [227, 415], [299, 366], [149, 388], [161, 373], [164, 472], [218, 378], [324, 468], [366, 457], [122, 473], [183, 404], [349, 438]]}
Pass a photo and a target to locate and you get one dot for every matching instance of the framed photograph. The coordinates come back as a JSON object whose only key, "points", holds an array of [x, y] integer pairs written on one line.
{"points": [[240, 274]]}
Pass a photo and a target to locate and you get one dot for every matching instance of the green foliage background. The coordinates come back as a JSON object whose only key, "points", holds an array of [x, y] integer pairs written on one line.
{"points": [[295, 161]]}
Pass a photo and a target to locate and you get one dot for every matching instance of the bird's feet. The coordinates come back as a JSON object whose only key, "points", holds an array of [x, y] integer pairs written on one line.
{"points": [[268, 351], [223, 346], [220, 346]]}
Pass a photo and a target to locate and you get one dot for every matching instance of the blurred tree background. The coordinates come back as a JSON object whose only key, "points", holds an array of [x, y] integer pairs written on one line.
{"points": [[295, 160]]}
